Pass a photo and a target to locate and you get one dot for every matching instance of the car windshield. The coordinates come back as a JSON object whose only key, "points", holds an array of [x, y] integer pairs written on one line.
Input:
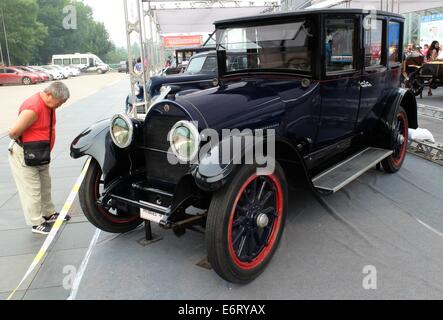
{"points": [[276, 46], [204, 64]]}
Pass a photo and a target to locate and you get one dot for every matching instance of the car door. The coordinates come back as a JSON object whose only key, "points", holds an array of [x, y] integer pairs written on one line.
{"points": [[340, 88], [375, 76], [3, 76], [12, 76]]}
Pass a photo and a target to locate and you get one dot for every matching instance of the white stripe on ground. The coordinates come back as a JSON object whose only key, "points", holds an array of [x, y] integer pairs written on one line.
{"points": [[81, 271], [430, 228]]}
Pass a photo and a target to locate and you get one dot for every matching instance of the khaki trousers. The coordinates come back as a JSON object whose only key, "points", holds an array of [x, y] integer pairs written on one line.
{"points": [[34, 187]]}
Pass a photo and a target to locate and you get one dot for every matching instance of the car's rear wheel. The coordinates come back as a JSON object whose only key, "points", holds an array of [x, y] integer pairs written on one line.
{"points": [[245, 223], [26, 81], [99, 71], [394, 162], [108, 220]]}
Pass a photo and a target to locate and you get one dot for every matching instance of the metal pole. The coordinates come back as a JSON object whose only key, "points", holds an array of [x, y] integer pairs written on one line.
{"points": [[136, 78], [1, 53], [6, 39]]}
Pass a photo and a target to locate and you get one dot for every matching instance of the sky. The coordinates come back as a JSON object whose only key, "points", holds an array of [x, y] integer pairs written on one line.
{"points": [[111, 13]]}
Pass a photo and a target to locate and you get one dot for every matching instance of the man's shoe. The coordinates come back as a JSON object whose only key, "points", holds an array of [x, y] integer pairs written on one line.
{"points": [[54, 217], [44, 228]]}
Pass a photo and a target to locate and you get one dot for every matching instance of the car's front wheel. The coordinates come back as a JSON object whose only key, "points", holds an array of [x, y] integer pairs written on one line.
{"points": [[400, 124], [245, 223], [110, 220]]}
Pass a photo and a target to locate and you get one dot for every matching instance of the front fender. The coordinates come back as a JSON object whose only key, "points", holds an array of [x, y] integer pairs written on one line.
{"points": [[219, 161], [96, 142]]}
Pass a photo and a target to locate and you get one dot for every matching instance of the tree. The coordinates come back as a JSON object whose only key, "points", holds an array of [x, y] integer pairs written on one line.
{"points": [[89, 36], [117, 55], [24, 33]]}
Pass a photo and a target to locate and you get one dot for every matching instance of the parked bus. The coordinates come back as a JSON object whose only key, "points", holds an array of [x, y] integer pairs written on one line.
{"points": [[87, 62]]}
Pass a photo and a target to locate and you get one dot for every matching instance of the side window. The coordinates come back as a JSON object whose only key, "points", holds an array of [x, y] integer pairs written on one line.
{"points": [[373, 43], [10, 71], [75, 60], [58, 61], [66, 61], [84, 61], [339, 44], [210, 64], [2, 70], [394, 42]]}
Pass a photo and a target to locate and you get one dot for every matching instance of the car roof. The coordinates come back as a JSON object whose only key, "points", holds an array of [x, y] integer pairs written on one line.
{"points": [[206, 53], [301, 13]]}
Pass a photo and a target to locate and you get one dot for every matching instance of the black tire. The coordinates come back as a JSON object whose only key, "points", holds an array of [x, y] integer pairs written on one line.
{"points": [[225, 225], [394, 162], [26, 81], [97, 215]]}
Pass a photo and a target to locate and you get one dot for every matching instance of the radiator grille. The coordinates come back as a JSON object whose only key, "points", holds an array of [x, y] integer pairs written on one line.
{"points": [[155, 134]]}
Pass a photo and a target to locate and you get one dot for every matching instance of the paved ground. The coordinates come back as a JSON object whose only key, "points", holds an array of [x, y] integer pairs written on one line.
{"points": [[19, 245], [391, 222], [432, 124]]}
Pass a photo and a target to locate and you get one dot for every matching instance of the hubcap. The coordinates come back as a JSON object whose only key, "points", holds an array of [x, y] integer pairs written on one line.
{"points": [[400, 139], [262, 220]]}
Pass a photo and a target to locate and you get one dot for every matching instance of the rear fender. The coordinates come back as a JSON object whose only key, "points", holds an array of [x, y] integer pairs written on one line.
{"points": [[406, 99], [383, 135]]}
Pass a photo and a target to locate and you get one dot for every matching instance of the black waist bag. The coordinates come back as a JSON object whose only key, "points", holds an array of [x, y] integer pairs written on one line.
{"points": [[38, 153]]}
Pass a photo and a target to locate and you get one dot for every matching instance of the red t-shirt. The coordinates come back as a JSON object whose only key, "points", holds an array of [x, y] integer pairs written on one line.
{"points": [[39, 130]]}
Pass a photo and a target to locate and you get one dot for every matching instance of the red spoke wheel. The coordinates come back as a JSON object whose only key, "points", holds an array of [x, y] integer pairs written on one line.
{"points": [[110, 220], [245, 223], [394, 162]]}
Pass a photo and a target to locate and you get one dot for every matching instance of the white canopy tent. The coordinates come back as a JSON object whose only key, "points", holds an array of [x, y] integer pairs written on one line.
{"points": [[191, 16]]}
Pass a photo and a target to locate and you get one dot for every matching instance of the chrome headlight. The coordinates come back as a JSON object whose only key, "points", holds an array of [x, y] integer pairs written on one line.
{"points": [[184, 139], [122, 130]]}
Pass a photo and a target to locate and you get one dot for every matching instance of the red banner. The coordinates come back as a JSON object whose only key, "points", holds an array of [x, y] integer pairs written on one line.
{"points": [[182, 41]]}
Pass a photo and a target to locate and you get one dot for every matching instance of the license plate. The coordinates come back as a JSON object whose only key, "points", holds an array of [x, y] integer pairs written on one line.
{"points": [[151, 215]]}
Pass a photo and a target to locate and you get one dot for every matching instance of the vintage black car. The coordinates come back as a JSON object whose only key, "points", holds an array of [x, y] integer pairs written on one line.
{"points": [[426, 75], [322, 85], [200, 73]]}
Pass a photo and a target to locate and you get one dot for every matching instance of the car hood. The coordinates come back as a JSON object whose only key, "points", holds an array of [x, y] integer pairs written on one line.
{"points": [[244, 104], [158, 81]]}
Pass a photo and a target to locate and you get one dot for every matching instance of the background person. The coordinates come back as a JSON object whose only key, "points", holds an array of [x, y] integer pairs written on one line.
{"points": [[425, 49], [34, 182], [432, 56]]}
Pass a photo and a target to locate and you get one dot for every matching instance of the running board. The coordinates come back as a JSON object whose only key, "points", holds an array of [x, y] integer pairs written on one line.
{"points": [[350, 169]]}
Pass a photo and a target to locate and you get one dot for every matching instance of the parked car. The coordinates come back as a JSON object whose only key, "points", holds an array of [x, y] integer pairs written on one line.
{"points": [[53, 71], [42, 71], [200, 73], [328, 115], [11, 75], [43, 76], [426, 75], [122, 66], [66, 74], [74, 71]]}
